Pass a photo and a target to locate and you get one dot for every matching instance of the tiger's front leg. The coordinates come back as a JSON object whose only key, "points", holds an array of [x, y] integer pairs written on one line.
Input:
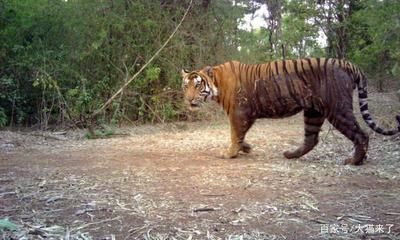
{"points": [[235, 145], [239, 126]]}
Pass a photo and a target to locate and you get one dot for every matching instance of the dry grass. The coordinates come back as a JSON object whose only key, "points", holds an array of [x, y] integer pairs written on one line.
{"points": [[166, 182]]}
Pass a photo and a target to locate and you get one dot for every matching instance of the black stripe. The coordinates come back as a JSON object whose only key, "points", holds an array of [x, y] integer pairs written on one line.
{"points": [[319, 70], [276, 88], [379, 130], [284, 66], [363, 108], [313, 121], [362, 95], [326, 69], [311, 67], [268, 71], [276, 68], [259, 71], [245, 71], [233, 68], [367, 116], [249, 73], [303, 72], [312, 128], [240, 72], [289, 84], [252, 68], [280, 99], [309, 134], [333, 62]]}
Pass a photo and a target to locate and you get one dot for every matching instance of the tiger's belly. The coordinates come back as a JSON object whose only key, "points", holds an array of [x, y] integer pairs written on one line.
{"points": [[284, 107], [276, 100]]}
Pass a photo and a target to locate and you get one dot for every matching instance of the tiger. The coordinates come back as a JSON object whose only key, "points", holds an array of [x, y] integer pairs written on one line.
{"points": [[320, 87]]}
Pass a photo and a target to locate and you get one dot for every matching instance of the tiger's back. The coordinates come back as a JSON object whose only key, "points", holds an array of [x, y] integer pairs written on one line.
{"points": [[283, 88]]}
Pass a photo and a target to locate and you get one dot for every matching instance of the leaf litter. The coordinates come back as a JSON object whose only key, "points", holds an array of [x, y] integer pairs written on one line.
{"points": [[166, 182]]}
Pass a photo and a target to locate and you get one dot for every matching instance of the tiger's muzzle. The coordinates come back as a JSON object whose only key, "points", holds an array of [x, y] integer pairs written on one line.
{"points": [[194, 104]]}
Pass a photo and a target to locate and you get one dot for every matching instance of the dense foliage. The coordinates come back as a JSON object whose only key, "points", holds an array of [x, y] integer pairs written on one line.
{"points": [[61, 59]]}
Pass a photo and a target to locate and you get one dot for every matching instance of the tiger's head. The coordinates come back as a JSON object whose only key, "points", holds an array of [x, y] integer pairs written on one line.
{"points": [[198, 87]]}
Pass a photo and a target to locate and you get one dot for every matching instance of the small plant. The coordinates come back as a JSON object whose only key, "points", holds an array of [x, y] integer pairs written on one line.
{"points": [[3, 118], [104, 132]]}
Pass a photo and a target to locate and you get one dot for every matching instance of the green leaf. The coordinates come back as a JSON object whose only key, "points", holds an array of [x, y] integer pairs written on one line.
{"points": [[7, 225], [36, 82]]}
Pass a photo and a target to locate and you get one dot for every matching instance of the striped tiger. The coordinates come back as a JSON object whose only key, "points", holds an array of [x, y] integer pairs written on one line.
{"points": [[321, 87]]}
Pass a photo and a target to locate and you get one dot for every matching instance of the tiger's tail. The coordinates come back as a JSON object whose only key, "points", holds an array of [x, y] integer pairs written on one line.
{"points": [[362, 98]]}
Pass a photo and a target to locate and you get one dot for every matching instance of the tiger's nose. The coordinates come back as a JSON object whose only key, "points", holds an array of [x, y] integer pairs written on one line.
{"points": [[194, 103], [189, 99]]}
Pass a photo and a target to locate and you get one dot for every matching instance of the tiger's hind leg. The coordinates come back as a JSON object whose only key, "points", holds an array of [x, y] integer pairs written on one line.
{"points": [[313, 121], [345, 121], [245, 147]]}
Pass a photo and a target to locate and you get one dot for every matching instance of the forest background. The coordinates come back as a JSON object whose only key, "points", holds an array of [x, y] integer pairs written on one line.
{"points": [[60, 60]]}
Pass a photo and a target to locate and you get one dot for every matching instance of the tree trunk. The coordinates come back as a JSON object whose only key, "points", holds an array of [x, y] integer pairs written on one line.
{"points": [[274, 21]]}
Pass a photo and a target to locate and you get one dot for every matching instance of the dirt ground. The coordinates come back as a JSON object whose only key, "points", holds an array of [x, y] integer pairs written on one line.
{"points": [[168, 182]]}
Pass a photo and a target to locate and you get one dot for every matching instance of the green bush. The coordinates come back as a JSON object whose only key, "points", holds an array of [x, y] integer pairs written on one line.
{"points": [[3, 118]]}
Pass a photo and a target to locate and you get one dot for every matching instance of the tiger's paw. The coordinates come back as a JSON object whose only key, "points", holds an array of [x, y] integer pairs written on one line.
{"points": [[245, 147], [351, 161], [230, 153], [291, 154], [227, 155]]}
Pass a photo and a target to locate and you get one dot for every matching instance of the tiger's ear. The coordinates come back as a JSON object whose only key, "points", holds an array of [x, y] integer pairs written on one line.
{"points": [[184, 72], [209, 71]]}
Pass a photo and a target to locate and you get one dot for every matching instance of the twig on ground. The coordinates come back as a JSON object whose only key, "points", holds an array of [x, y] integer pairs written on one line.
{"points": [[205, 209], [213, 195], [94, 223], [46, 135]]}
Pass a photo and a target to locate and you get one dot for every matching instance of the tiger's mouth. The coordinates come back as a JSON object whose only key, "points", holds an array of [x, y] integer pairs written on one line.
{"points": [[194, 106]]}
